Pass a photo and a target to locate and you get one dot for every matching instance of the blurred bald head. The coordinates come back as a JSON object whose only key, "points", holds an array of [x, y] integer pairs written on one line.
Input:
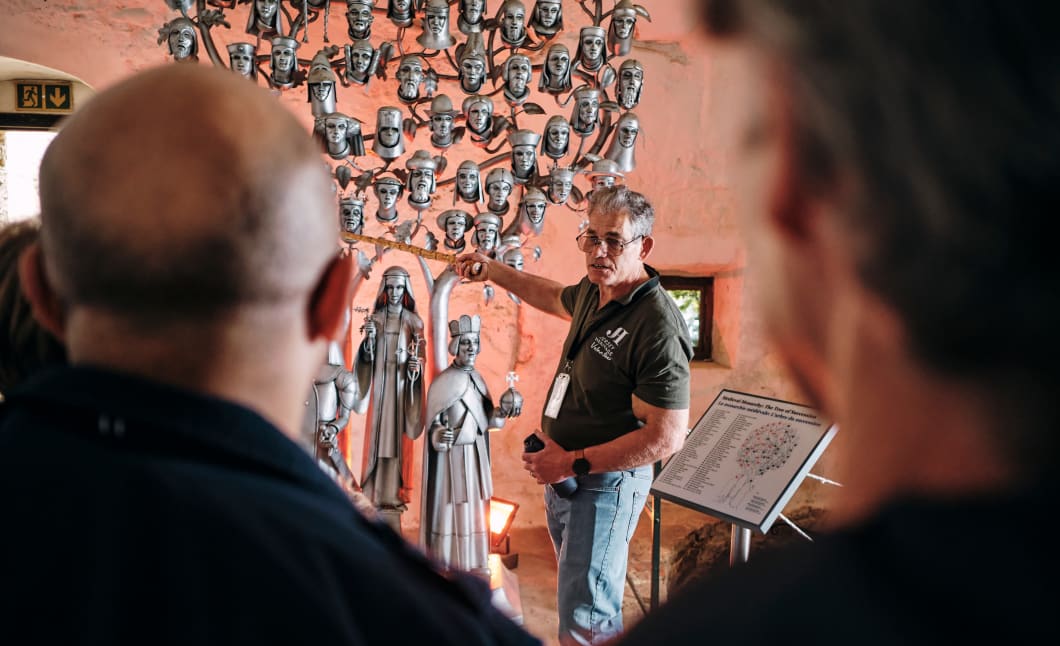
{"points": [[182, 193]]}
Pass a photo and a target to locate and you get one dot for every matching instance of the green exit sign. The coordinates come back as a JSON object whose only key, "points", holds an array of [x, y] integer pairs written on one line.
{"points": [[43, 96]]}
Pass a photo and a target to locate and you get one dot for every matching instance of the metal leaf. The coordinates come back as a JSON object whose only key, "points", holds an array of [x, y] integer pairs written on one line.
{"points": [[610, 106], [409, 126], [343, 174], [641, 11], [533, 108], [441, 163]]}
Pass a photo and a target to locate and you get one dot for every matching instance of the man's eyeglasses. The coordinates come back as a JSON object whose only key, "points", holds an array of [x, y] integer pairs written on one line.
{"points": [[615, 247]]}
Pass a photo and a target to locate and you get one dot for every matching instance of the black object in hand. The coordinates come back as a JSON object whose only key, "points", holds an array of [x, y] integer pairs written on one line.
{"points": [[563, 488]]}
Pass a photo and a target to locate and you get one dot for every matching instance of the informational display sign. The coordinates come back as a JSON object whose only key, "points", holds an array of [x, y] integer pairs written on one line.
{"points": [[43, 96], [744, 458]]}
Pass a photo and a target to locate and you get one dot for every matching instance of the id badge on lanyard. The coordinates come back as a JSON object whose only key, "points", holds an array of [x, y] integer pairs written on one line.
{"points": [[559, 391]]}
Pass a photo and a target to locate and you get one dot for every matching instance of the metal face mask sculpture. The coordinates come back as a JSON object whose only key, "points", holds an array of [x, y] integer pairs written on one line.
{"points": [[517, 71], [421, 182], [620, 33], [547, 18], [591, 54], [556, 141], [341, 135], [321, 88], [560, 184], [181, 39], [605, 174], [622, 142], [478, 112], [512, 19], [487, 233], [472, 16], [351, 215], [399, 12], [389, 142], [524, 154], [387, 191], [555, 74], [436, 26], [283, 61], [410, 77], [241, 60], [441, 115], [361, 59], [468, 183], [499, 184], [630, 83], [455, 224], [264, 18], [472, 72], [586, 111], [359, 18]]}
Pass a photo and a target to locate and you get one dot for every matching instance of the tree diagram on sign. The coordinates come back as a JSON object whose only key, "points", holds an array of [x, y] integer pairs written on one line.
{"points": [[766, 448]]}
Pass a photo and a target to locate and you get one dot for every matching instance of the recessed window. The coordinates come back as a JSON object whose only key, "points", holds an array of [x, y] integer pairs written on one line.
{"points": [[22, 153], [695, 299]]}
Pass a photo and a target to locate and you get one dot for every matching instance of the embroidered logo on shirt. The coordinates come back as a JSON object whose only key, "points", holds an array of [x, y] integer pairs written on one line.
{"points": [[605, 345], [617, 335]]}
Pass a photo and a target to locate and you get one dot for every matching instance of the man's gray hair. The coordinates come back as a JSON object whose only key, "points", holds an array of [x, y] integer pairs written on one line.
{"points": [[619, 199]]}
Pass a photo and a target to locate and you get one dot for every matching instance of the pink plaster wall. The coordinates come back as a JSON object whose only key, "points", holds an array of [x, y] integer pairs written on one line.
{"points": [[680, 167]]}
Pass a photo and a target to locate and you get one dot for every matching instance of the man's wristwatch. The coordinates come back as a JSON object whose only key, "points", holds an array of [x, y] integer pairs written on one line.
{"points": [[581, 466]]}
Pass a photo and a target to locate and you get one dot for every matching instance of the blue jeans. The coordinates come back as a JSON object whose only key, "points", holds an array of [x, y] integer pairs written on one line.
{"points": [[591, 532]]}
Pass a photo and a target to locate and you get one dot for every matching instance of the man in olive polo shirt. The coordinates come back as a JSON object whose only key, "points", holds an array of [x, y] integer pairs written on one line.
{"points": [[618, 403]]}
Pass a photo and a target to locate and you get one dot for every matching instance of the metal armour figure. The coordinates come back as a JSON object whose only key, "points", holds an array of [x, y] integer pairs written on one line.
{"points": [[241, 60], [513, 257], [436, 26], [264, 18], [591, 54], [421, 182], [387, 191], [441, 115], [524, 154], [555, 74], [586, 111], [487, 233], [556, 141], [530, 218], [333, 397], [399, 12], [389, 141], [321, 86], [283, 61], [351, 214], [359, 18], [630, 83], [478, 115], [340, 134], [517, 75], [361, 61], [388, 367], [459, 483], [455, 224], [181, 39], [468, 183], [560, 184], [547, 18], [410, 77], [471, 16], [623, 22], [623, 141], [605, 174], [499, 184], [512, 19], [471, 70]]}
